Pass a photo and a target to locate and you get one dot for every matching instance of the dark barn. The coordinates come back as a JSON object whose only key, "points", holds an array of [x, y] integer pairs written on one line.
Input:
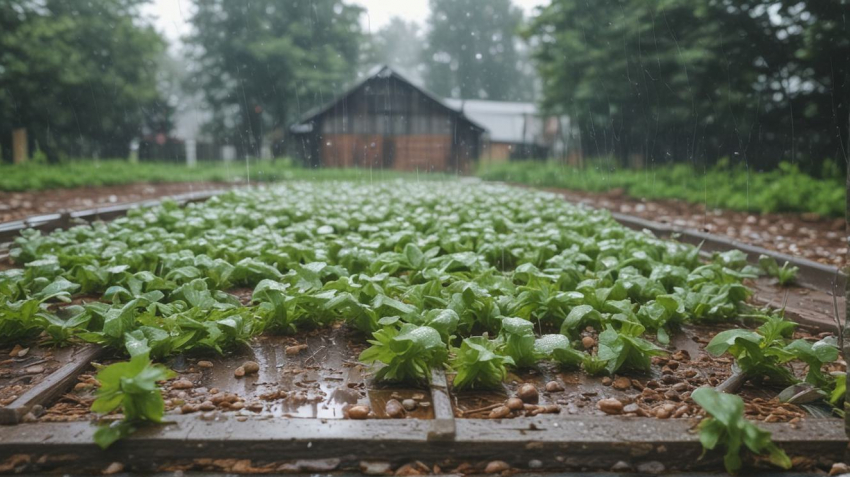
{"points": [[385, 121]]}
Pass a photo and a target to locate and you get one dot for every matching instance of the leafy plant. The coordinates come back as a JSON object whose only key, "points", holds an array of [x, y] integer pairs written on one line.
{"points": [[625, 349], [479, 364], [132, 387], [785, 274], [558, 349], [517, 335], [728, 428], [408, 352]]}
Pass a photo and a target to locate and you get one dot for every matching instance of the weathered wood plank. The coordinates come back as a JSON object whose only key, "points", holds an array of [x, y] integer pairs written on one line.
{"points": [[443, 424]]}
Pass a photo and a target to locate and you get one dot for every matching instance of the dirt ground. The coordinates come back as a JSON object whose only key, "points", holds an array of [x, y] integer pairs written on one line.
{"points": [[803, 235], [20, 205]]}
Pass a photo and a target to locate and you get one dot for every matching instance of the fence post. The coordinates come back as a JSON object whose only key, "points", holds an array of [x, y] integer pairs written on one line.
{"points": [[19, 145]]}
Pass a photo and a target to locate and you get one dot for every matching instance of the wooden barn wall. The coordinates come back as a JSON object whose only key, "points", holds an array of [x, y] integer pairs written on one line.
{"points": [[387, 123]]}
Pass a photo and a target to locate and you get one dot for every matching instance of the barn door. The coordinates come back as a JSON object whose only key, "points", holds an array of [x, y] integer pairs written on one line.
{"points": [[389, 152]]}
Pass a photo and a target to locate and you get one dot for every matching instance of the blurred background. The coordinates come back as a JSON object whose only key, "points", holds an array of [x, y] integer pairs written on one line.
{"points": [[718, 106]]}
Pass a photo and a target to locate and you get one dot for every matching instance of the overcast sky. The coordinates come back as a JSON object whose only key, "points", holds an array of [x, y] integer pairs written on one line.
{"points": [[172, 15]]}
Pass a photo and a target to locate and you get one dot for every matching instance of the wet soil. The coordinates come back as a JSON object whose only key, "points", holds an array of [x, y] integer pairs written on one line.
{"points": [[21, 205], [810, 236], [24, 366]]}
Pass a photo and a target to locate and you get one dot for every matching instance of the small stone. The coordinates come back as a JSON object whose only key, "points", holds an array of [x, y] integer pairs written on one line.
{"points": [[188, 409], [22, 353], [621, 466], [206, 406], [672, 395], [359, 412], [588, 342], [409, 404], [29, 417], [665, 411], [629, 408], [680, 387], [652, 467], [528, 393], [114, 468], [182, 383], [394, 409], [83, 386], [237, 406], [37, 369], [554, 387], [499, 413], [514, 404], [255, 407], [610, 406], [205, 364], [293, 350], [606, 381], [622, 383], [17, 349], [369, 467], [408, 469], [239, 372], [839, 468], [535, 464], [496, 467], [250, 367]]}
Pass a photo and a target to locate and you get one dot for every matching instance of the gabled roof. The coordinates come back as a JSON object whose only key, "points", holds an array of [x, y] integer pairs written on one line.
{"points": [[505, 121], [378, 72]]}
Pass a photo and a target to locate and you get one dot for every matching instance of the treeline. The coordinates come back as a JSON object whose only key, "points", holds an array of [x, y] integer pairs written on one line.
{"points": [[758, 81]]}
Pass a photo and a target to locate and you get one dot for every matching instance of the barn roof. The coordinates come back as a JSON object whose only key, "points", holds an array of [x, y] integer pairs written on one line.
{"points": [[304, 123], [511, 122]]}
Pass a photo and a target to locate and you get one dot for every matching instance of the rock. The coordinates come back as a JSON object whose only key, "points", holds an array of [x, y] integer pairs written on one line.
{"points": [[29, 417], [37, 369], [255, 407], [292, 350], [622, 383], [237, 406], [188, 409], [409, 469], [839, 468], [610, 406], [528, 393], [182, 383], [114, 468], [499, 412], [205, 364], [394, 409], [239, 372], [554, 387], [241, 466], [359, 412], [370, 467], [17, 349], [23, 352], [496, 467], [250, 367], [631, 408], [652, 467], [606, 381], [514, 404], [535, 464], [588, 342], [621, 466], [206, 406], [665, 411], [37, 410], [409, 404]]}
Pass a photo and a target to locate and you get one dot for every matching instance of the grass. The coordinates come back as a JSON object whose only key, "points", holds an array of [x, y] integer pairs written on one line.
{"points": [[91, 173], [785, 189]]}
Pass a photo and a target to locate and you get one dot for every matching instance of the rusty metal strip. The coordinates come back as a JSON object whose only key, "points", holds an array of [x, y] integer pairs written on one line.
{"points": [[443, 425], [54, 385]]}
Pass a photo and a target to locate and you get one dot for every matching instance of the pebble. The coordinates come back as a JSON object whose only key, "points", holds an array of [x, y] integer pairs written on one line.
{"points": [[839, 468], [188, 409], [205, 364], [535, 464], [291, 350], [206, 406], [610, 406], [528, 393], [499, 412], [588, 342], [496, 467], [250, 367], [182, 384], [409, 404], [665, 411], [17, 349], [621, 466], [114, 468], [37, 369], [622, 383], [370, 467], [514, 404], [359, 412], [651, 467], [23, 352], [239, 372], [606, 381], [554, 387], [394, 409]]}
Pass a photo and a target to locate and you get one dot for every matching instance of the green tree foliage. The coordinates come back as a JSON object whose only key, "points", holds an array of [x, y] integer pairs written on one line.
{"points": [[757, 80], [470, 50], [261, 63], [399, 45], [81, 77]]}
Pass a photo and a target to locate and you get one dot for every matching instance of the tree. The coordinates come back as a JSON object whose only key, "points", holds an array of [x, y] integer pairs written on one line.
{"points": [[79, 76], [756, 80], [470, 50], [261, 63], [399, 45]]}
